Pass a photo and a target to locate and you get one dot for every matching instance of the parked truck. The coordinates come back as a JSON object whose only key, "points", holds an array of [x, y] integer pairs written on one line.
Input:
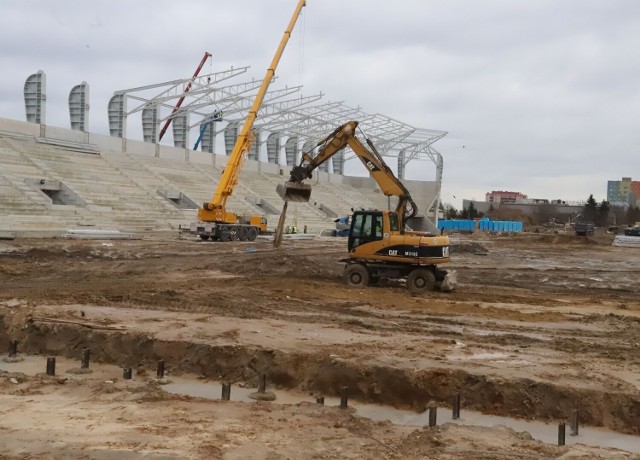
{"points": [[585, 228]]}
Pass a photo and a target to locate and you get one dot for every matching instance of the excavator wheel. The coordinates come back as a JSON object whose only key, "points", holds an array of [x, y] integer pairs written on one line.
{"points": [[204, 237], [421, 280], [253, 234], [356, 275]]}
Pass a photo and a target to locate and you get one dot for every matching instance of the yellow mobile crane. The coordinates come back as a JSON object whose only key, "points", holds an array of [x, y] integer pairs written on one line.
{"points": [[379, 245], [214, 221]]}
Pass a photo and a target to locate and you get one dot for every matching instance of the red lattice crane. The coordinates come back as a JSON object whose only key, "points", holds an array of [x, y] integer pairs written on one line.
{"points": [[186, 90]]}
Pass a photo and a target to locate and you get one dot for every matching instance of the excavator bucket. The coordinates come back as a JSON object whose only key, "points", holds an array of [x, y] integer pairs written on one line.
{"points": [[293, 191]]}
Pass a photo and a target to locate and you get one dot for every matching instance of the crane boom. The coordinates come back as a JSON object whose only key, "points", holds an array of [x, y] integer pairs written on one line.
{"points": [[215, 210], [207, 55]]}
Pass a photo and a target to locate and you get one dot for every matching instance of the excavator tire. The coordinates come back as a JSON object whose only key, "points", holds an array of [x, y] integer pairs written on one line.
{"points": [[357, 275], [421, 280], [253, 234], [204, 237]]}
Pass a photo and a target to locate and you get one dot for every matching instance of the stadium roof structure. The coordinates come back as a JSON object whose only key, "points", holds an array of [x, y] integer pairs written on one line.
{"points": [[212, 97]]}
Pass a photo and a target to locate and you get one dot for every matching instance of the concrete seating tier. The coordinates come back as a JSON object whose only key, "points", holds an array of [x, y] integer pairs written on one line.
{"points": [[300, 213], [122, 191]]}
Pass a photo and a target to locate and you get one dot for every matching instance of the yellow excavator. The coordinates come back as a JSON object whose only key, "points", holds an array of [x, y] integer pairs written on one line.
{"points": [[379, 244], [214, 221]]}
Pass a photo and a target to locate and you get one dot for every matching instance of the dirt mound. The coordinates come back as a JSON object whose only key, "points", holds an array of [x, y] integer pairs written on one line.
{"points": [[471, 247], [288, 263]]}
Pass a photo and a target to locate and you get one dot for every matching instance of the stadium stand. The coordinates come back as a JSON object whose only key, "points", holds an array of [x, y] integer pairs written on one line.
{"points": [[50, 185]]}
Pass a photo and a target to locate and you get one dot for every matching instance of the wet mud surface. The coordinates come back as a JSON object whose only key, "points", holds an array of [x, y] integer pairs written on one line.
{"points": [[539, 325]]}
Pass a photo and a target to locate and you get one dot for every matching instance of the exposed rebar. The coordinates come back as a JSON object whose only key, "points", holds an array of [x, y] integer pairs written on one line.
{"points": [[13, 348], [85, 358], [51, 366], [160, 371]]}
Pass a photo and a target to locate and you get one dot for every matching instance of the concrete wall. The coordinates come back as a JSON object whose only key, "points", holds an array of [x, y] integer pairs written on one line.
{"points": [[196, 156], [52, 132], [139, 148], [19, 127], [170, 153], [108, 143], [251, 165], [272, 168]]}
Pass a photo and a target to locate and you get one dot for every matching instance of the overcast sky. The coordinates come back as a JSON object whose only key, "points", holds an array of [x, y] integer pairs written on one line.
{"points": [[537, 96]]}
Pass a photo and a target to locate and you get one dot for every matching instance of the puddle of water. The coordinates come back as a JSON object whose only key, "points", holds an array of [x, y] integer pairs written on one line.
{"points": [[212, 390], [480, 356], [32, 365], [495, 357], [539, 430]]}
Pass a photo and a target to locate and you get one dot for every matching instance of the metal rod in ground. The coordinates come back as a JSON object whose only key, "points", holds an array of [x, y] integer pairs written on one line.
{"points": [[433, 415], [85, 358], [575, 422], [561, 432], [262, 384], [51, 366], [127, 373], [320, 400], [456, 407], [13, 348], [226, 391], [344, 397], [160, 371]]}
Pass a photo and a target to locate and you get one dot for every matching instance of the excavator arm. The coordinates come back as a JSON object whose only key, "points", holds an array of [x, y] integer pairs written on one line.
{"points": [[341, 137]]}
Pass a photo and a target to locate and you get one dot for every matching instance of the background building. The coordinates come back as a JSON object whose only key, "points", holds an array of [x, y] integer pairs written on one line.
{"points": [[623, 192], [497, 197]]}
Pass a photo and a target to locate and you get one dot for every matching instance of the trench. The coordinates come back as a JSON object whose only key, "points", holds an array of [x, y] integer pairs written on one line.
{"points": [[542, 431], [398, 388]]}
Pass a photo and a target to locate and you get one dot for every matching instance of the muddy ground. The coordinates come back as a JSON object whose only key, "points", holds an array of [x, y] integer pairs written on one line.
{"points": [[539, 325]]}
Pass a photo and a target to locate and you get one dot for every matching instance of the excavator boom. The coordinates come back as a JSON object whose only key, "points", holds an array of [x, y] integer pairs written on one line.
{"points": [[341, 137]]}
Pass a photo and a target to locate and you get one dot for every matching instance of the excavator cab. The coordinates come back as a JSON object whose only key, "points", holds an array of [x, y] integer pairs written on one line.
{"points": [[366, 226], [294, 191]]}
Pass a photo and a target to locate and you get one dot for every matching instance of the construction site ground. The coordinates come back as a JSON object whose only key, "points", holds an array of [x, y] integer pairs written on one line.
{"points": [[540, 325]]}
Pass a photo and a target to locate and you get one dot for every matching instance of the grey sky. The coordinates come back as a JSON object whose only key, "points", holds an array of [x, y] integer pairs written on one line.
{"points": [[538, 96]]}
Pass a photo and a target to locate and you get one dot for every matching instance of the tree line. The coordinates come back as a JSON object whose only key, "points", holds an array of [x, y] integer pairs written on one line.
{"points": [[602, 214]]}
